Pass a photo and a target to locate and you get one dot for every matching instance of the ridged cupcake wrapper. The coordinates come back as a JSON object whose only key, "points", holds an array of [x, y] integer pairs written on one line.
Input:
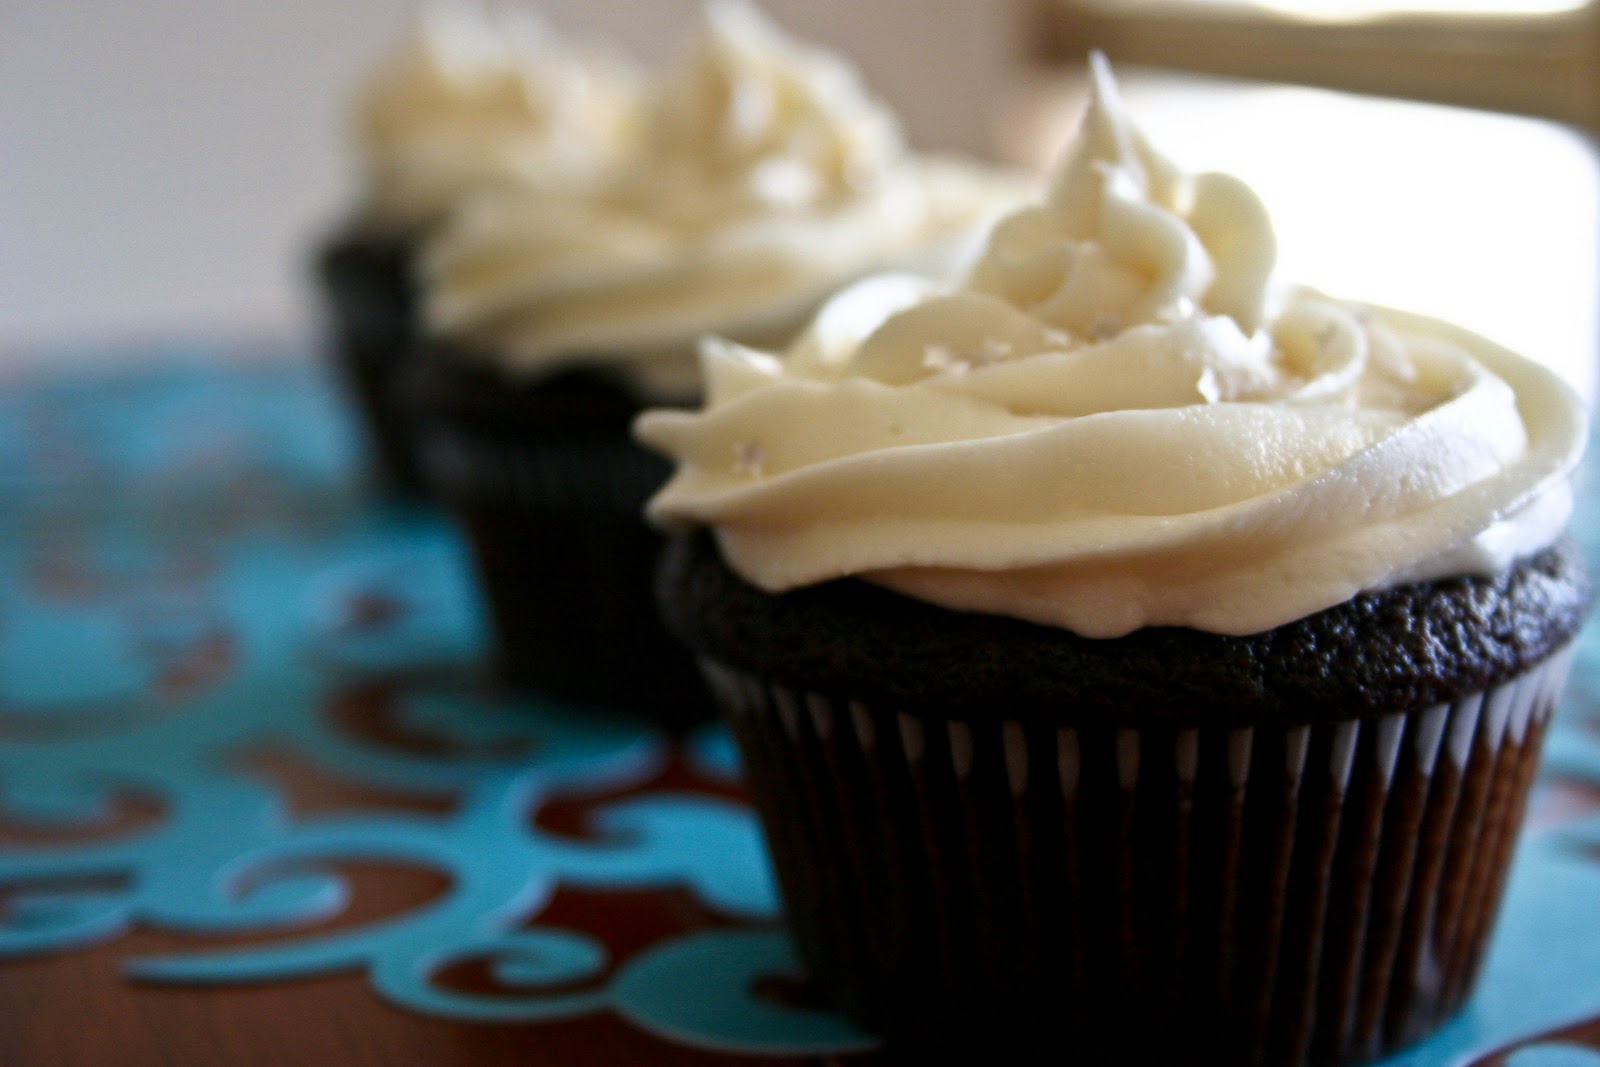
{"points": [[371, 306], [611, 476], [1311, 894], [566, 563], [372, 385]]}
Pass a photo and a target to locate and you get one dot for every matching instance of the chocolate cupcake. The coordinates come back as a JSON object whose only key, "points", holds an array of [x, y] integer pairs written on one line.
{"points": [[766, 176], [548, 490], [472, 102], [1131, 656]]}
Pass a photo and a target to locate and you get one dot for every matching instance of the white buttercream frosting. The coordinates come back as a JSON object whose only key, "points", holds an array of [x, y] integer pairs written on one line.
{"points": [[1117, 422], [765, 177], [479, 100]]}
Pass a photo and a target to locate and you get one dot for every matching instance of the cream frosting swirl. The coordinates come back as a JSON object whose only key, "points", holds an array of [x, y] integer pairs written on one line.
{"points": [[477, 100], [766, 177], [1118, 423]]}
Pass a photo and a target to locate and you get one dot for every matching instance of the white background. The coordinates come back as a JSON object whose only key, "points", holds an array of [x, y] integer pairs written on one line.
{"points": [[165, 164]]}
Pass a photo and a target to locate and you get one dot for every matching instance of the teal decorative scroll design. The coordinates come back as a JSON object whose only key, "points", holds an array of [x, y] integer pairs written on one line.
{"points": [[154, 629]]}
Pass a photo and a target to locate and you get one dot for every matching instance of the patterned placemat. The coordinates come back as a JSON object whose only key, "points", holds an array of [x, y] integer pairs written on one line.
{"points": [[195, 585]]}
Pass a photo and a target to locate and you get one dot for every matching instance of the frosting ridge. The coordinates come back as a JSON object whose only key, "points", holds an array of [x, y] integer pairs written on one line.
{"points": [[1118, 422], [477, 99], [766, 176]]}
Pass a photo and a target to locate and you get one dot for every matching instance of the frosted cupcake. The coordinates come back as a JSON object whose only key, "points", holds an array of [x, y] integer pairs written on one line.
{"points": [[765, 177], [1131, 655], [471, 102]]}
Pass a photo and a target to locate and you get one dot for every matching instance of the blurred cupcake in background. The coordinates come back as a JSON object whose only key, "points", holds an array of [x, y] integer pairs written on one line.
{"points": [[473, 101], [765, 175]]}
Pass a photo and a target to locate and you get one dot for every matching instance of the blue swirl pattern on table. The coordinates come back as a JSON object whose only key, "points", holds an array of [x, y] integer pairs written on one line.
{"points": [[190, 573]]}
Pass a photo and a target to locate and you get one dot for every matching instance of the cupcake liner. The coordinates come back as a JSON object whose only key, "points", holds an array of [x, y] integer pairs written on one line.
{"points": [[1301, 894], [371, 303], [566, 563]]}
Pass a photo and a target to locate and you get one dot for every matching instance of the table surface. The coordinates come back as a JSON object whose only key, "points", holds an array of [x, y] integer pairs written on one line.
{"points": [[257, 805]]}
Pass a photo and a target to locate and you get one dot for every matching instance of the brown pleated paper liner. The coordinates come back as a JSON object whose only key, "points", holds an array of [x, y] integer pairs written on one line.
{"points": [[371, 306], [1312, 894], [566, 563]]}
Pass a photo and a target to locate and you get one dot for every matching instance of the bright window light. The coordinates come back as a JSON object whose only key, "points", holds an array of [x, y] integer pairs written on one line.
{"points": [[1366, 9]]}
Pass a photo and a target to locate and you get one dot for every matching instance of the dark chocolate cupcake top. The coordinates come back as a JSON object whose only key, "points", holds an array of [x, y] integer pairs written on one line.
{"points": [[1118, 422], [1411, 646]]}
